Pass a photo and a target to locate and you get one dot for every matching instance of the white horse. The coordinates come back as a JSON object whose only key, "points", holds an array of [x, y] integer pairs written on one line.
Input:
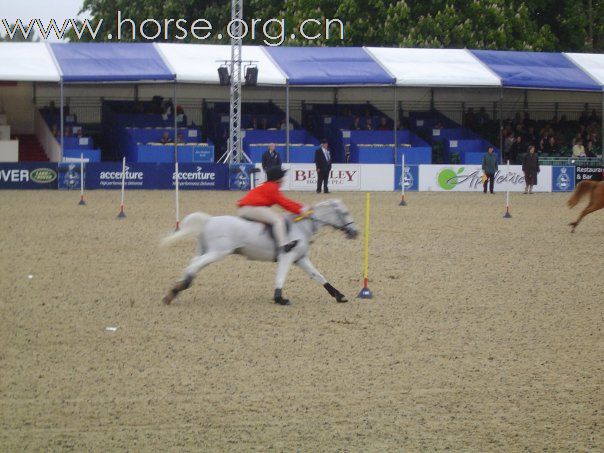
{"points": [[221, 236]]}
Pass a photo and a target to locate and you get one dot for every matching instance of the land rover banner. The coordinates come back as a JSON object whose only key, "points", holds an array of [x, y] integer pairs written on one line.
{"points": [[24, 175]]}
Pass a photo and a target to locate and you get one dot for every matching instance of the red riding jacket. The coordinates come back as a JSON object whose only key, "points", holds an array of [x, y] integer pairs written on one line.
{"points": [[269, 194]]}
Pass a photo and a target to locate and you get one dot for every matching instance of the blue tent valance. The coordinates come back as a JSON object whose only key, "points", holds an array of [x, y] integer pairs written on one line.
{"points": [[541, 70], [110, 62], [331, 66]]}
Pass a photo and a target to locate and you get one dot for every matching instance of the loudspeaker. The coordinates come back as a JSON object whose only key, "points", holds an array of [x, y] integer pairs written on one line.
{"points": [[223, 75], [251, 76]]}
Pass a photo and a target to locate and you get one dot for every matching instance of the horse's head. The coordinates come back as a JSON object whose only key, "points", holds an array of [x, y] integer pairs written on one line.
{"points": [[335, 213]]}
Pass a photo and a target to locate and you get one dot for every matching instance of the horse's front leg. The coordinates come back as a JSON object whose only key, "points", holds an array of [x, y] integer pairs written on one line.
{"points": [[308, 267], [591, 207], [284, 262]]}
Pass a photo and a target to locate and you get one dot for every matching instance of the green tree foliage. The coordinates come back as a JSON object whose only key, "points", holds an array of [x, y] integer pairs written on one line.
{"points": [[543, 25], [18, 36]]}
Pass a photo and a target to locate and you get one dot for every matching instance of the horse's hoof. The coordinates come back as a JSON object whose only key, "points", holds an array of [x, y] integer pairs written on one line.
{"points": [[342, 299], [282, 301], [168, 298]]}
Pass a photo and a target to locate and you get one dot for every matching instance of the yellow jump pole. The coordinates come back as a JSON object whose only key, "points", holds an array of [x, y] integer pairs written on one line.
{"points": [[366, 292]]}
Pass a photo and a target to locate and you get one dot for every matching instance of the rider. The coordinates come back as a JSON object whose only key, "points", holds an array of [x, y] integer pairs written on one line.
{"points": [[256, 206]]}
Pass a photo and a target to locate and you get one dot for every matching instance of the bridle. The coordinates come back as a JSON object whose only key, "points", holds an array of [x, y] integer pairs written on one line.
{"points": [[341, 219]]}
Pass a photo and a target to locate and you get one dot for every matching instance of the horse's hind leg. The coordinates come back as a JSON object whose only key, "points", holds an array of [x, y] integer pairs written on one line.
{"points": [[308, 267], [589, 209], [197, 263]]}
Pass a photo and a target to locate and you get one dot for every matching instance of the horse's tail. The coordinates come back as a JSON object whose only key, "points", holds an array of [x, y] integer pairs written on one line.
{"points": [[191, 225], [583, 188]]}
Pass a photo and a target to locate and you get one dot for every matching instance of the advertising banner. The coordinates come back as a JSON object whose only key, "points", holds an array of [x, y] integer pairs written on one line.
{"points": [[193, 177], [343, 177], [69, 175], [26, 175], [468, 178], [410, 177], [563, 179], [108, 175], [156, 176], [583, 173], [239, 176]]}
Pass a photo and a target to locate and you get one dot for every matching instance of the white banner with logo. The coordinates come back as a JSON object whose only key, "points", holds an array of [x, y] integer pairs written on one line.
{"points": [[468, 178], [343, 177]]}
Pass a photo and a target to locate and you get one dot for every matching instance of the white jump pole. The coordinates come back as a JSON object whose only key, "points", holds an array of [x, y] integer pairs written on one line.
{"points": [[122, 213], [253, 178], [403, 202], [507, 214], [82, 202], [177, 197]]}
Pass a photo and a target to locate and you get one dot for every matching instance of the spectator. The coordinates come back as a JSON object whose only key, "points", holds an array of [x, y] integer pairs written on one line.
{"points": [[550, 147], [308, 122], [356, 124], [439, 125], [482, 117], [590, 150], [54, 130], [516, 150], [264, 124], [52, 108], [254, 124], [368, 124], [165, 138], [578, 148], [67, 131], [593, 118], [489, 167], [508, 141], [270, 158], [179, 138], [469, 118], [323, 166], [383, 124], [530, 138], [530, 167]]}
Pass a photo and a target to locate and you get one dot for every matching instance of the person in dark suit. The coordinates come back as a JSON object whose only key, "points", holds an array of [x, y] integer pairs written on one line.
{"points": [[270, 158], [323, 163]]}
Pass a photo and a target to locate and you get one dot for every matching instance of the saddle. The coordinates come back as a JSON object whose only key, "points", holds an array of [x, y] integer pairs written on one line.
{"points": [[268, 229]]}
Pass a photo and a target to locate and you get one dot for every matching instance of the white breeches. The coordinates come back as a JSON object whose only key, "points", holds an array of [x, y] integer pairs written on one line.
{"points": [[266, 215]]}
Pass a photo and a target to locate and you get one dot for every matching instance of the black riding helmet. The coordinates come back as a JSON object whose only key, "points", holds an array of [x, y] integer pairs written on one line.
{"points": [[275, 173]]}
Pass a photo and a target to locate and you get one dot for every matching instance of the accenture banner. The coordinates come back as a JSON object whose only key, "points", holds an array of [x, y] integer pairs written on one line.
{"points": [[468, 178], [156, 176]]}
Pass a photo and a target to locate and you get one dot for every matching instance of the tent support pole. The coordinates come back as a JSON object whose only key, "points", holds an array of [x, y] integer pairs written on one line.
{"points": [[287, 121], [501, 124], [395, 127], [175, 125], [62, 121]]}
